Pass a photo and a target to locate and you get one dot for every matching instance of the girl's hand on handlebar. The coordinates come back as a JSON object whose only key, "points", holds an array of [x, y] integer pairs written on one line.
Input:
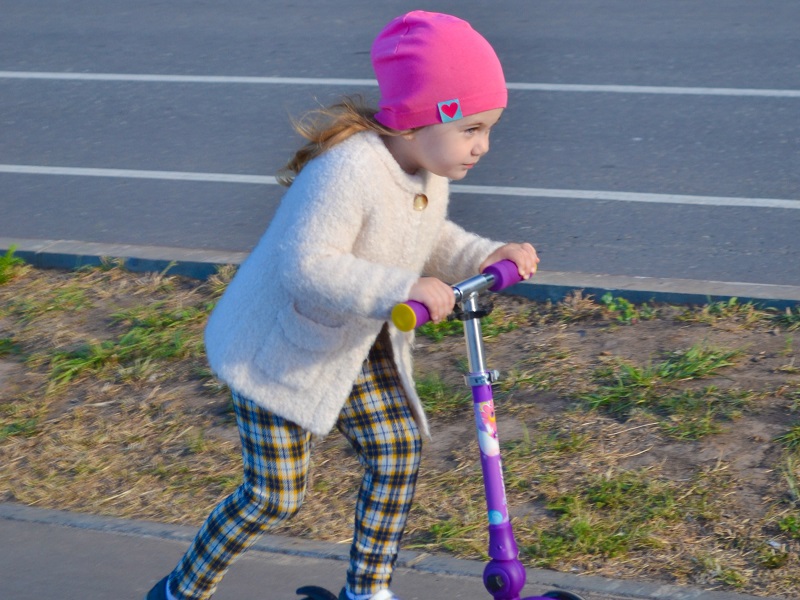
{"points": [[436, 295], [522, 255]]}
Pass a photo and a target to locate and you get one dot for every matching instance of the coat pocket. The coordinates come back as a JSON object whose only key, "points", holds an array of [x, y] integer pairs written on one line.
{"points": [[297, 349]]}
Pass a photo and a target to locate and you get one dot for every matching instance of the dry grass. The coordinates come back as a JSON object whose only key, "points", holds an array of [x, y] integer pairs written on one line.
{"points": [[108, 407]]}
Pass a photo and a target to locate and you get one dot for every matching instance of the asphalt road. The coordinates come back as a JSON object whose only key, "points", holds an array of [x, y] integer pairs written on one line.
{"points": [[669, 174]]}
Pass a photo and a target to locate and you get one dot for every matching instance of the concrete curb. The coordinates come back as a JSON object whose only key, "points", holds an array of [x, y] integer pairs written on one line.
{"points": [[409, 560], [546, 285], [70, 254]]}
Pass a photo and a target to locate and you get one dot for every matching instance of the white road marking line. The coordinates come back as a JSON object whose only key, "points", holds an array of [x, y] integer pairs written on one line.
{"points": [[626, 196], [139, 174], [486, 190], [316, 81]]}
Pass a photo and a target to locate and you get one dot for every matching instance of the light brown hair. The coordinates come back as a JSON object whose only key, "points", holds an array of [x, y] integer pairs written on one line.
{"points": [[328, 126]]}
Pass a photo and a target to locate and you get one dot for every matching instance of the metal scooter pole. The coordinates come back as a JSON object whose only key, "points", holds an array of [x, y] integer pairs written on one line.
{"points": [[504, 575]]}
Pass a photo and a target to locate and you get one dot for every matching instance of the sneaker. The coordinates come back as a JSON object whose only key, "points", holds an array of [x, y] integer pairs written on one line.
{"points": [[159, 591], [384, 595], [381, 595]]}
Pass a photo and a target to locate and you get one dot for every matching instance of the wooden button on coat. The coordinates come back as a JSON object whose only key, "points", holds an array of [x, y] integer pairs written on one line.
{"points": [[420, 202]]}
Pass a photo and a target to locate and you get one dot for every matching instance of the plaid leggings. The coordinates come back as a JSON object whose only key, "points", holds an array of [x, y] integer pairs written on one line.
{"points": [[378, 424]]}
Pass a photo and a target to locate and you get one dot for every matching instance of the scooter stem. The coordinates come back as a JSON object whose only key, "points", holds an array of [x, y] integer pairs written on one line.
{"points": [[504, 576]]}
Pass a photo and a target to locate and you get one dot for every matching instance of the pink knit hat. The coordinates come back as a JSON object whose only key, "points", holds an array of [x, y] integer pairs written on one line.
{"points": [[434, 68]]}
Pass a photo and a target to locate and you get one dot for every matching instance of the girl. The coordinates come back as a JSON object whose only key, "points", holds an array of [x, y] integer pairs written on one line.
{"points": [[301, 334]]}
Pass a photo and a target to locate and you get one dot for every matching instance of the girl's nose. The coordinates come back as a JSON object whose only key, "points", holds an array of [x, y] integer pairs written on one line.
{"points": [[481, 146]]}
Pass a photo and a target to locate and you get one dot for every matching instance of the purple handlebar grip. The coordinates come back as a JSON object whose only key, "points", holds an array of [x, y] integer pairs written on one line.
{"points": [[505, 274], [423, 316]]}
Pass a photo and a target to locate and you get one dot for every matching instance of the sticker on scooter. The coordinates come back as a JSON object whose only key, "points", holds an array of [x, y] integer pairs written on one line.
{"points": [[487, 428]]}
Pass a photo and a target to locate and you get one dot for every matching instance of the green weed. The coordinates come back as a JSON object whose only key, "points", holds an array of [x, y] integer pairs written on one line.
{"points": [[611, 515], [438, 331], [561, 442], [453, 534], [713, 313], [684, 413], [66, 366], [498, 323], [516, 379], [492, 326], [71, 297], [790, 525], [770, 557], [625, 312], [712, 566], [438, 397], [791, 439], [9, 264], [23, 427], [153, 332], [789, 319], [196, 442], [694, 414], [696, 362], [8, 347], [547, 369], [794, 396], [788, 346], [789, 470]]}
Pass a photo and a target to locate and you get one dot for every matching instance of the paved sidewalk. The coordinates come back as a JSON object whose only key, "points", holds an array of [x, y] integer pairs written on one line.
{"points": [[57, 555]]}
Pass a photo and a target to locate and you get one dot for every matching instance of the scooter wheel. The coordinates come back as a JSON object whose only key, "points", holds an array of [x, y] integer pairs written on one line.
{"points": [[561, 595], [312, 592]]}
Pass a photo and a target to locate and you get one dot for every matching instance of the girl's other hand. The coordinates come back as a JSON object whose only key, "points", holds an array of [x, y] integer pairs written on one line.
{"points": [[522, 255], [436, 295]]}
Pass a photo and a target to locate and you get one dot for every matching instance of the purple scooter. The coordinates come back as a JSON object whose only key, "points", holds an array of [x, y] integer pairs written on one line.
{"points": [[504, 575]]}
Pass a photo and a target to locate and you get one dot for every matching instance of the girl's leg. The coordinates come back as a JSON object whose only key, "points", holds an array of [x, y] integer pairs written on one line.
{"points": [[275, 453], [378, 423]]}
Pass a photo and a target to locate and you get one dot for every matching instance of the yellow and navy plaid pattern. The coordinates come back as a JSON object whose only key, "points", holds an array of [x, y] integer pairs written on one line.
{"points": [[377, 422]]}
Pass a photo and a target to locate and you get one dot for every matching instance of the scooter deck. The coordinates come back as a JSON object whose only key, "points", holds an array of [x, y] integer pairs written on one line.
{"points": [[313, 592]]}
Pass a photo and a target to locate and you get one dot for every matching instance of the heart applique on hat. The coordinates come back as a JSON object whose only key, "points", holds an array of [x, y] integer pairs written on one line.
{"points": [[450, 110]]}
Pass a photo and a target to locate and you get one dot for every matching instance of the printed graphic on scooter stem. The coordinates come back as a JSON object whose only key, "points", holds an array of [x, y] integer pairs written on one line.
{"points": [[487, 428]]}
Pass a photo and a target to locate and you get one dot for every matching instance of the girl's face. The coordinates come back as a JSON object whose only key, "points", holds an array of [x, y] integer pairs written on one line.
{"points": [[446, 149]]}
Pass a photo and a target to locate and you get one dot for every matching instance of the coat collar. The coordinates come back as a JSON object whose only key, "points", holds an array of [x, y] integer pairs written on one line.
{"points": [[417, 183]]}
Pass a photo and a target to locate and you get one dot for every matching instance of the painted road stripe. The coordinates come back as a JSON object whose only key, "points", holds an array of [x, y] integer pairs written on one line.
{"points": [[139, 174], [135, 78], [485, 190], [490, 190], [312, 81]]}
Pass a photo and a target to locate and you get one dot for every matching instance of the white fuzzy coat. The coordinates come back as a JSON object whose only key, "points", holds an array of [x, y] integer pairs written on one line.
{"points": [[345, 245]]}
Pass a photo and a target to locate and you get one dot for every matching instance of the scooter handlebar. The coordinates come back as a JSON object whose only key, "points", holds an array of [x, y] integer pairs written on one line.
{"points": [[498, 276]]}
